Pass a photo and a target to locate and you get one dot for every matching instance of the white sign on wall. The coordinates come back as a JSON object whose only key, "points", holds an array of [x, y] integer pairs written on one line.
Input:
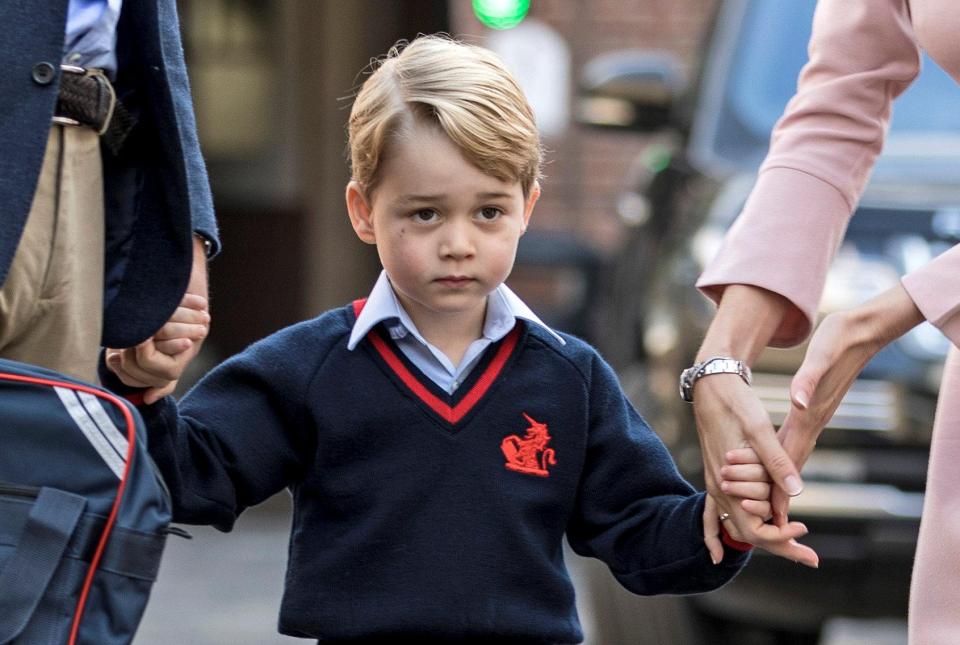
{"points": [[540, 59]]}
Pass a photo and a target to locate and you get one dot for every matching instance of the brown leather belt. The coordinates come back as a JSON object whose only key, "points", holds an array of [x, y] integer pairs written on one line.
{"points": [[87, 99]]}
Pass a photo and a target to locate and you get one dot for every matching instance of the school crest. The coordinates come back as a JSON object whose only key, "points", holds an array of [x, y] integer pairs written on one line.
{"points": [[529, 454]]}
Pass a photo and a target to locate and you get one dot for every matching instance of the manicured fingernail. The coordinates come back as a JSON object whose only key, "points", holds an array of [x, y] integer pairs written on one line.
{"points": [[794, 485], [801, 400]]}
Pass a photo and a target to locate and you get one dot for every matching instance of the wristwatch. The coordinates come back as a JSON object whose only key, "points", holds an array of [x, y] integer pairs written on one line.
{"points": [[712, 365]]}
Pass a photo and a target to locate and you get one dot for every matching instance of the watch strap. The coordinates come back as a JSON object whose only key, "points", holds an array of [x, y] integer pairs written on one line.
{"points": [[712, 365]]}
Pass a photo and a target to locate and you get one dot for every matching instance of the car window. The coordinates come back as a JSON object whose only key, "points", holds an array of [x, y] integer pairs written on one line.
{"points": [[771, 51]]}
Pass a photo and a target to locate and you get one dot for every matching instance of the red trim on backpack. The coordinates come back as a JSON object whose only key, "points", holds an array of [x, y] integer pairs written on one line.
{"points": [[115, 509]]}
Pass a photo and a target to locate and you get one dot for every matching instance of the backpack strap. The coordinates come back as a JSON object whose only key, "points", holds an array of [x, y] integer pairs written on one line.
{"points": [[28, 571]]}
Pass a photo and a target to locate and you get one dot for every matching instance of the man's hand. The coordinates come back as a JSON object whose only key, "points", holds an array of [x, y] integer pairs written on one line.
{"points": [[158, 363]]}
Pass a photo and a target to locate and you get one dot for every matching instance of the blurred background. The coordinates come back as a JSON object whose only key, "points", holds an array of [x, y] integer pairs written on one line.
{"points": [[655, 115]]}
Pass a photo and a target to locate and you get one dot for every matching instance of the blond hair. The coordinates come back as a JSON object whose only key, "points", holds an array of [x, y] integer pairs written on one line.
{"points": [[463, 89]]}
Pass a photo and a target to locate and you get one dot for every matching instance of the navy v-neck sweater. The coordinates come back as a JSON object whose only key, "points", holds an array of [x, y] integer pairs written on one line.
{"points": [[418, 513]]}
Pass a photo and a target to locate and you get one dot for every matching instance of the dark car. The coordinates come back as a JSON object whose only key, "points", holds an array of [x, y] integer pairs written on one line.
{"points": [[865, 481]]}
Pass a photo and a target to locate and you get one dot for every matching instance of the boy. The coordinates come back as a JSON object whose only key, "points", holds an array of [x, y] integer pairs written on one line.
{"points": [[438, 439]]}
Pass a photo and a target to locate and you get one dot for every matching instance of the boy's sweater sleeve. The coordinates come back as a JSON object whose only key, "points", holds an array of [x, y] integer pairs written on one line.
{"points": [[239, 436], [634, 511]]}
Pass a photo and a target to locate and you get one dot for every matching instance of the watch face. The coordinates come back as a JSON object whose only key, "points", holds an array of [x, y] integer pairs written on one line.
{"points": [[686, 386]]}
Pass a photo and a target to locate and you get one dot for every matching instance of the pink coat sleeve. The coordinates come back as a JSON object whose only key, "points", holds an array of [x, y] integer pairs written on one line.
{"points": [[935, 289], [863, 53]]}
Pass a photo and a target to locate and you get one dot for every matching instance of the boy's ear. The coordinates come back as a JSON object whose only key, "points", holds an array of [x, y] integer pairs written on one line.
{"points": [[530, 203], [360, 213]]}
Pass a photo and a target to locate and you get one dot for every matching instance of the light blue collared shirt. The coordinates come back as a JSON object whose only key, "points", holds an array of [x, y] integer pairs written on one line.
{"points": [[91, 36], [504, 307]]}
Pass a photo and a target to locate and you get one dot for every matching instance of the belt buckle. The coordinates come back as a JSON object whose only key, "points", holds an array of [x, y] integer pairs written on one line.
{"points": [[65, 120], [104, 85]]}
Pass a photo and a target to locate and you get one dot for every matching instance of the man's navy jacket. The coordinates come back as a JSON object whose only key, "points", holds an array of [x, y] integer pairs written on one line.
{"points": [[156, 191]]}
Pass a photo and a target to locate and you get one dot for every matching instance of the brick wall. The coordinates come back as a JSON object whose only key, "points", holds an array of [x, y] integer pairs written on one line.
{"points": [[586, 167]]}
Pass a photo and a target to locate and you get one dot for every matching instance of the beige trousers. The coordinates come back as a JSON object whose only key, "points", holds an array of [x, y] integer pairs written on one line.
{"points": [[51, 303]]}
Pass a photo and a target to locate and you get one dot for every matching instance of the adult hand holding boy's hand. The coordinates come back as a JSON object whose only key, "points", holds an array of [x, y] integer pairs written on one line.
{"points": [[159, 362], [730, 416]]}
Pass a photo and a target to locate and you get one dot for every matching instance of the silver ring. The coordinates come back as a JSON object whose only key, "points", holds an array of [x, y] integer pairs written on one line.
{"points": [[724, 516]]}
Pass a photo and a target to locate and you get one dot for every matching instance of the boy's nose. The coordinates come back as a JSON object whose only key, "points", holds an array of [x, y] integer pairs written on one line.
{"points": [[457, 241]]}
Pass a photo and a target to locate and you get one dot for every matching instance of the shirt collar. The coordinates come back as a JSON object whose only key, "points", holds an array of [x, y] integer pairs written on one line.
{"points": [[504, 307]]}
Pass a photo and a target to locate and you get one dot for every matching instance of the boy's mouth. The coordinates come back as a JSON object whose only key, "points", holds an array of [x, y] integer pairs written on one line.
{"points": [[454, 281]]}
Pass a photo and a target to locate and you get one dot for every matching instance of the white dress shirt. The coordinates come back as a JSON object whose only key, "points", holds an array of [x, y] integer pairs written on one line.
{"points": [[91, 34], [504, 307]]}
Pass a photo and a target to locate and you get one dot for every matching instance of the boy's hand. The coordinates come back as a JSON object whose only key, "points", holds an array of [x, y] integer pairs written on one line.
{"points": [[745, 477], [711, 530], [158, 363]]}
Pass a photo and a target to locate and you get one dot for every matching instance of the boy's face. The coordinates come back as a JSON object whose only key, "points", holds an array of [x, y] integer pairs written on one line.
{"points": [[446, 232]]}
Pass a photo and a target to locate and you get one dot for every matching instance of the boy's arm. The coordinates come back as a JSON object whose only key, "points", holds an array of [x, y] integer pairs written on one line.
{"points": [[634, 511], [238, 437]]}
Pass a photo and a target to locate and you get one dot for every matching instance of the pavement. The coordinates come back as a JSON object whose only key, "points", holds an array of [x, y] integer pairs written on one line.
{"points": [[222, 588]]}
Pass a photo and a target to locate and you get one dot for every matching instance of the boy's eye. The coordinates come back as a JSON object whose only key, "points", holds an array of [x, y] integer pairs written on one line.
{"points": [[490, 213], [425, 216]]}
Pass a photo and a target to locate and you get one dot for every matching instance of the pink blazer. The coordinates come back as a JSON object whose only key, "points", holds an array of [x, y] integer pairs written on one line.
{"points": [[863, 54]]}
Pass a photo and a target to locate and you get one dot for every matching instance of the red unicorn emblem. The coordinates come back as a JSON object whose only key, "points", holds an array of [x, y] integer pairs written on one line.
{"points": [[530, 454]]}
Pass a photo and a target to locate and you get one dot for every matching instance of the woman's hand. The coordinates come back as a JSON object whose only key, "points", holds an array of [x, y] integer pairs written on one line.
{"points": [[839, 349], [730, 416]]}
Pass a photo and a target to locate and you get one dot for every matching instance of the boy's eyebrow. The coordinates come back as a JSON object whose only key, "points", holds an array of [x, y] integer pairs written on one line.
{"points": [[494, 195], [417, 199], [420, 199]]}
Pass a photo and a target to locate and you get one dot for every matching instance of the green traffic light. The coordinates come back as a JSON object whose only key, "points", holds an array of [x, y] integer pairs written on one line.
{"points": [[501, 14]]}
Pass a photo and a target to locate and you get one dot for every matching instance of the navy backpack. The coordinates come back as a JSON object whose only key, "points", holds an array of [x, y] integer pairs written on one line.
{"points": [[84, 514]]}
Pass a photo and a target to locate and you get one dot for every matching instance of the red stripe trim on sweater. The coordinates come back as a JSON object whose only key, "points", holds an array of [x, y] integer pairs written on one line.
{"points": [[358, 306], [489, 375], [450, 414], [136, 398], [409, 379], [730, 542]]}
